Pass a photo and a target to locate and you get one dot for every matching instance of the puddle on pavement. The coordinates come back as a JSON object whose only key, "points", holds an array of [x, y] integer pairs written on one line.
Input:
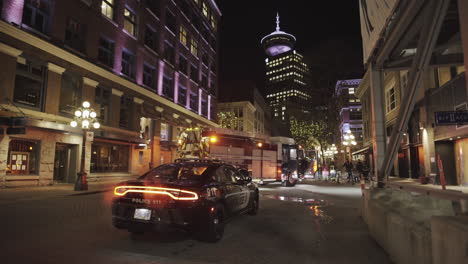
{"points": [[315, 206]]}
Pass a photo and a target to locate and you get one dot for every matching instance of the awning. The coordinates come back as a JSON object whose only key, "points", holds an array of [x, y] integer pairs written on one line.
{"points": [[361, 150]]}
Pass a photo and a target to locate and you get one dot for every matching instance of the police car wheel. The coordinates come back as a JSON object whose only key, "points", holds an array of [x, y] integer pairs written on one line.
{"points": [[255, 204], [214, 230]]}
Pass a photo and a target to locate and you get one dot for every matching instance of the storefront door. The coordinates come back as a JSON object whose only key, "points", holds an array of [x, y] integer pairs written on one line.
{"points": [[62, 163]]}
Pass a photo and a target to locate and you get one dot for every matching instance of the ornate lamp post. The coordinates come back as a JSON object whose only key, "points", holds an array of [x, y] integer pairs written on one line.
{"points": [[85, 117], [349, 141]]}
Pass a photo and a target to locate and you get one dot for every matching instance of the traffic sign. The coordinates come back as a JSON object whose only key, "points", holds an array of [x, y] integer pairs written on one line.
{"points": [[447, 118]]}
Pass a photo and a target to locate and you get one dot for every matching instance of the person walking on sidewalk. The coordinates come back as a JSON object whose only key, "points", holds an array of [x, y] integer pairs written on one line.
{"points": [[348, 165], [360, 169]]}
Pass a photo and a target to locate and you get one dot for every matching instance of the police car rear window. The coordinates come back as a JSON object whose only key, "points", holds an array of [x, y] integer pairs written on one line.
{"points": [[175, 173]]}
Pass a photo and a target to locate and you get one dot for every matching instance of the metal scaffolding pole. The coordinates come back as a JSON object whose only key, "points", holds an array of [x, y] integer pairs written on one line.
{"points": [[434, 14]]}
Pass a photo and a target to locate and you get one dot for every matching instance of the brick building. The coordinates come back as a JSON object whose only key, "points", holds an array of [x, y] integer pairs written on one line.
{"points": [[148, 68]]}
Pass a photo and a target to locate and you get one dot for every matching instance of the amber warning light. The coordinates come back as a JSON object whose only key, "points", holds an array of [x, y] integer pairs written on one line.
{"points": [[176, 194]]}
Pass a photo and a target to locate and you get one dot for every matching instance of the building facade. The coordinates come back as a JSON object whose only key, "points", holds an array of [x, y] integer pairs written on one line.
{"points": [[246, 103], [287, 76], [148, 68]]}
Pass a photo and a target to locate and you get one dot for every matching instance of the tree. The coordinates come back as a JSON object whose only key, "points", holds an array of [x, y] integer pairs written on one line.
{"points": [[311, 133], [228, 120]]}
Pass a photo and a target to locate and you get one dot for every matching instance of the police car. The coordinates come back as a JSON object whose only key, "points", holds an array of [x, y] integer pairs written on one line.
{"points": [[195, 195]]}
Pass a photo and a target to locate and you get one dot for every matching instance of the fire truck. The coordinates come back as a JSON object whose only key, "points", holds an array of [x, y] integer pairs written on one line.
{"points": [[272, 159]]}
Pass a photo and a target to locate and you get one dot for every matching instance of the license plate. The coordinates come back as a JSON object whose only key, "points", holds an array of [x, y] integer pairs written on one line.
{"points": [[142, 214]]}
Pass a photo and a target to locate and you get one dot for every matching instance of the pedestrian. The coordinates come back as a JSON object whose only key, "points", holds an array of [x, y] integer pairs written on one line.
{"points": [[360, 168], [348, 165]]}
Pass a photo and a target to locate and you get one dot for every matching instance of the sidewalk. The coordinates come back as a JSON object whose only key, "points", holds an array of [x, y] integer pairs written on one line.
{"points": [[452, 192], [9, 195]]}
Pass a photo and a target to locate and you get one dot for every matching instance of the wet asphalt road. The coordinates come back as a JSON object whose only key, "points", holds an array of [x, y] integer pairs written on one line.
{"points": [[304, 224]]}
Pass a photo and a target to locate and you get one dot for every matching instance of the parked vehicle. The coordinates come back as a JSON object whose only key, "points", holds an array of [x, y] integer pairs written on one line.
{"points": [[195, 195]]}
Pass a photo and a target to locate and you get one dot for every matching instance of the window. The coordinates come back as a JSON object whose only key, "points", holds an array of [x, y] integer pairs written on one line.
{"points": [[128, 64], [204, 105], [204, 81], [185, 8], [390, 99], [355, 115], [70, 93], [130, 24], [23, 157], [149, 74], [194, 48], [36, 14], [75, 35], [443, 75], [194, 99], [183, 65], [350, 90], [154, 6], [164, 132], [213, 21], [194, 72], [151, 38], [107, 8], [205, 58], [106, 157], [169, 52], [197, 1], [102, 102], [205, 9], [170, 21], [168, 86], [126, 103], [106, 52], [29, 83], [183, 35], [182, 95]]}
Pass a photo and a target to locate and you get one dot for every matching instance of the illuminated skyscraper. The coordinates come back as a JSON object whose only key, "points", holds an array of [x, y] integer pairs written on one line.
{"points": [[287, 76]]}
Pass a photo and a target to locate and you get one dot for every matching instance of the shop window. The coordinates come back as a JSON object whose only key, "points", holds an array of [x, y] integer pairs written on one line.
{"points": [[194, 73], [170, 21], [390, 100], [70, 93], [36, 14], [107, 8], [183, 65], [151, 38], [128, 64], [194, 47], [75, 35], [23, 157], [168, 86], [149, 74], [164, 132], [130, 22], [29, 83], [182, 95], [102, 101], [126, 104], [106, 157], [154, 6], [194, 100], [106, 52], [183, 35], [169, 52]]}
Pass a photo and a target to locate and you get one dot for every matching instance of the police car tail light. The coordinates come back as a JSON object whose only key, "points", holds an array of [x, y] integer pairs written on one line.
{"points": [[176, 194]]}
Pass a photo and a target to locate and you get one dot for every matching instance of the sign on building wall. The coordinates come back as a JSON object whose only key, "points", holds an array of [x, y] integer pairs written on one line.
{"points": [[374, 15]]}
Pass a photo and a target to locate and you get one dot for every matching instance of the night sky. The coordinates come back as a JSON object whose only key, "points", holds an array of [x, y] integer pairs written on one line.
{"points": [[327, 32]]}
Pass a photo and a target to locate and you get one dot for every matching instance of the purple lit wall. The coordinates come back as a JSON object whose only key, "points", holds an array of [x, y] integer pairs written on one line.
{"points": [[12, 11]]}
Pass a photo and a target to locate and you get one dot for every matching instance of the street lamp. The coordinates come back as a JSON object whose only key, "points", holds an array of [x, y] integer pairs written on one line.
{"points": [[85, 117], [349, 141], [260, 145]]}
